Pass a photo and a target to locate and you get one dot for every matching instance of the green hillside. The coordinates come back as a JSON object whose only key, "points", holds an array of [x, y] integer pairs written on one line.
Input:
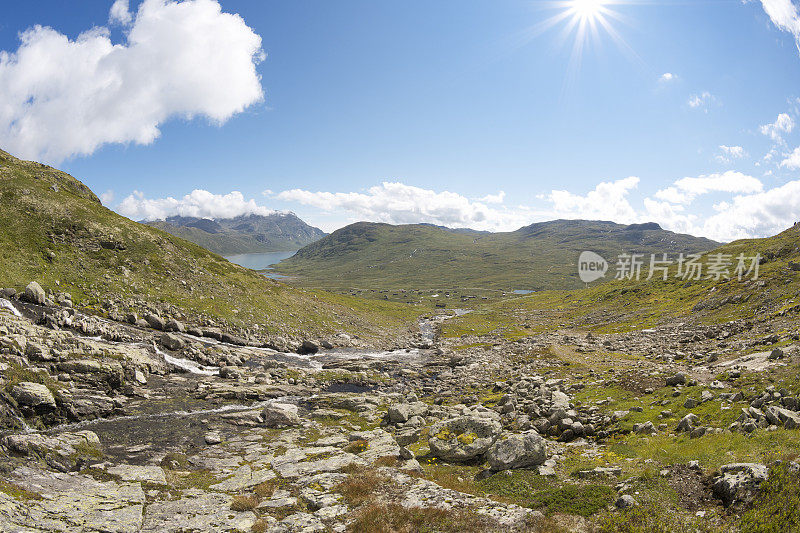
{"points": [[537, 257], [623, 305], [277, 232], [55, 231]]}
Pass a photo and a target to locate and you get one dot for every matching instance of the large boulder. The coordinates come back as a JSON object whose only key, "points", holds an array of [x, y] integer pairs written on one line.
{"points": [[517, 451], [64, 452], [171, 341], [155, 321], [463, 438], [307, 347], [687, 423], [280, 415], [35, 294], [33, 395], [739, 482], [677, 379], [402, 412]]}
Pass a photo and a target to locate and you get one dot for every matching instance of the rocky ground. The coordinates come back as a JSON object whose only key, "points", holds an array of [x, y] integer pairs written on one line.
{"points": [[150, 424]]}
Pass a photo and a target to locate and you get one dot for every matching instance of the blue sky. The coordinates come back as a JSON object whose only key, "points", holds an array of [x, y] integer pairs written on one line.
{"points": [[458, 112]]}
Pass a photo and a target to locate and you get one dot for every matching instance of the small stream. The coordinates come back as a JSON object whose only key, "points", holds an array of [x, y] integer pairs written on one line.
{"points": [[173, 418]]}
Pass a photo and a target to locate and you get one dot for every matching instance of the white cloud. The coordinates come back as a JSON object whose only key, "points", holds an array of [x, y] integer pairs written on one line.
{"points": [[701, 101], [608, 201], [107, 197], [793, 160], [783, 124], [62, 97], [120, 13], [494, 198], [685, 190], [730, 153], [755, 215], [198, 203], [667, 77], [398, 203], [784, 15]]}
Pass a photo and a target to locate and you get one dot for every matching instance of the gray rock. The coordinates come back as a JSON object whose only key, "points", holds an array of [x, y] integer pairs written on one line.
{"points": [[402, 412], [35, 294], [155, 321], [776, 353], [463, 438], [626, 501], [739, 482], [687, 423], [33, 395], [212, 438], [171, 342], [677, 379], [280, 415], [174, 325], [517, 451], [307, 347]]}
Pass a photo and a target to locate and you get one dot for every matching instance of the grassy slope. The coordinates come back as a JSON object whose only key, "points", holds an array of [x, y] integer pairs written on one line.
{"points": [[625, 305], [55, 229], [541, 256]]}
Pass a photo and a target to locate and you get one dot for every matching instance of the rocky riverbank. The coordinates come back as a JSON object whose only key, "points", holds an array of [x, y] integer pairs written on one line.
{"points": [[155, 425]]}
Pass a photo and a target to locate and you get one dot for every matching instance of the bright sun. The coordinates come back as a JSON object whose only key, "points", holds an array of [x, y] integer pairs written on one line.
{"points": [[585, 23], [587, 9]]}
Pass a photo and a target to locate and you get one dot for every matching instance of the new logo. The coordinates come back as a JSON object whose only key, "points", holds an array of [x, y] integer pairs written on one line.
{"points": [[591, 267]]}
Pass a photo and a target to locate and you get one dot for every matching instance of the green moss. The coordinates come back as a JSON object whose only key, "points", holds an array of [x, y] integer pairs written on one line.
{"points": [[17, 492], [777, 508]]}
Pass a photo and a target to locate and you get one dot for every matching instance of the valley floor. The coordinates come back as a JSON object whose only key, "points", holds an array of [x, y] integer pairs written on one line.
{"points": [[118, 427]]}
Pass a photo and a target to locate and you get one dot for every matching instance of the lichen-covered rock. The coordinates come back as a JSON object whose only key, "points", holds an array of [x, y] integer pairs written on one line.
{"points": [[517, 451], [739, 482], [280, 415], [35, 294], [33, 395], [403, 411], [463, 438]]}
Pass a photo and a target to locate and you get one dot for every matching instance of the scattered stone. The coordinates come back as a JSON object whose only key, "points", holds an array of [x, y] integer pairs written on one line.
{"points": [[517, 451], [463, 438]]}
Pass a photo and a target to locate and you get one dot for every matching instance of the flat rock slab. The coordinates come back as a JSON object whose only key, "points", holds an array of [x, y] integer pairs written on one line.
{"points": [[149, 474], [197, 511], [244, 478], [72, 502]]}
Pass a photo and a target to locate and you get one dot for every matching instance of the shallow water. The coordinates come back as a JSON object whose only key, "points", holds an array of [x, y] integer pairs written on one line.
{"points": [[260, 261]]}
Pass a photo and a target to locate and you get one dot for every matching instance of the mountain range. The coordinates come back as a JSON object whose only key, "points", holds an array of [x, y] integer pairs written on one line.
{"points": [[423, 256], [276, 232]]}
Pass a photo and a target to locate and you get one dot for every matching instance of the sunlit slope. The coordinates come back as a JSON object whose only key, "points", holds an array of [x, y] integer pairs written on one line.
{"points": [[54, 229], [420, 256], [626, 304]]}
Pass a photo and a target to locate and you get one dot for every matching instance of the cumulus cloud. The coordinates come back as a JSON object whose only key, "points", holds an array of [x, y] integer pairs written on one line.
{"points": [[685, 190], [793, 160], [62, 97], [494, 198], [755, 215], [784, 15], [398, 203], [107, 197], [607, 201], [775, 131], [668, 76], [120, 13], [198, 203], [730, 153], [701, 101]]}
